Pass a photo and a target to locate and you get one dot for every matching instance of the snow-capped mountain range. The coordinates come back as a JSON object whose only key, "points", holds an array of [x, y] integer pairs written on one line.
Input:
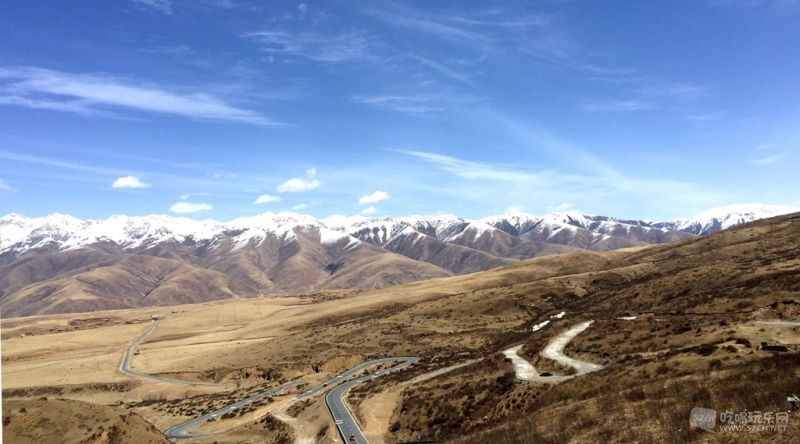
{"points": [[59, 263], [19, 234]]}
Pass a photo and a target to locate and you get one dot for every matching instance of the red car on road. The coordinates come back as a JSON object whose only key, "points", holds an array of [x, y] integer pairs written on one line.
{"points": [[352, 437]]}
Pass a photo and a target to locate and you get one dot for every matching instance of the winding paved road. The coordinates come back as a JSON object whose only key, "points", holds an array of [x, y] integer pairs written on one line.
{"points": [[335, 403], [341, 414], [184, 431], [125, 364]]}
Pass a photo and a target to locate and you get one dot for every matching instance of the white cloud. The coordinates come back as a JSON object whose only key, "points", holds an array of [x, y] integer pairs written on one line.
{"points": [[164, 6], [298, 185], [266, 198], [96, 94], [373, 198], [189, 207], [369, 210], [129, 182], [299, 207]]}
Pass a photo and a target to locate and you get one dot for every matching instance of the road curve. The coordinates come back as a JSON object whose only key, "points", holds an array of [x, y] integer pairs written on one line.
{"points": [[554, 350], [184, 431], [125, 364], [525, 371], [342, 417]]}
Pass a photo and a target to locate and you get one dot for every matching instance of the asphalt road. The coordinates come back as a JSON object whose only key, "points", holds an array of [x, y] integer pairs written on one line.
{"points": [[335, 403], [342, 416], [125, 364], [347, 373], [184, 431]]}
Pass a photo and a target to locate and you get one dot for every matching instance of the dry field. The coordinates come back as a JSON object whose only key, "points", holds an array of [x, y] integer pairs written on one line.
{"points": [[695, 341]]}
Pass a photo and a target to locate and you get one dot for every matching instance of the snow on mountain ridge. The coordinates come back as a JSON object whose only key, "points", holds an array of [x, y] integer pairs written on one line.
{"points": [[19, 233], [722, 218]]}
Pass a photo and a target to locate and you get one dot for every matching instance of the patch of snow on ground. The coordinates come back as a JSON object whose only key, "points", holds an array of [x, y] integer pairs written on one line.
{"points": [[539, 326]]}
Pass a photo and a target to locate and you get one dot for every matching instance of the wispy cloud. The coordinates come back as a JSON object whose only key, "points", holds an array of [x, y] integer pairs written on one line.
{"points": [[299, 185], [474, 170], [651, 96], [375, 197], [789, 7], [487, 32], [770, 159], [439, 26], [613, 105], [369, 210], [344, 47], [100, 93], [419, 104], [443, 69], [4, 185], [300, 207], [129, 182], [163, 6], [190, 207], [57, 163]]}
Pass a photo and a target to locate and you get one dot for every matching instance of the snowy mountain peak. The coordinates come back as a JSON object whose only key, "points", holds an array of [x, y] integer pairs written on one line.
{"points": [[19, 233], [722, 218]]}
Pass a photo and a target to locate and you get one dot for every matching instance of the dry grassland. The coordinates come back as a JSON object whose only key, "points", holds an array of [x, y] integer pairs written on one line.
{"points": [[695, 342]]}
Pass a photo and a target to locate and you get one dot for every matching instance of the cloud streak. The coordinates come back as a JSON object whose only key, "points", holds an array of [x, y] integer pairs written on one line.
{"points": [[474, 170], [767, 160], [653, 96], [418, 105], [339, 48], [99, 94], [162, 6], [56, 163]]}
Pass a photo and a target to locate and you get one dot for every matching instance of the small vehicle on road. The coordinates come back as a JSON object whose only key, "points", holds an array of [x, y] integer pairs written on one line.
{"points": [[352, 437]]}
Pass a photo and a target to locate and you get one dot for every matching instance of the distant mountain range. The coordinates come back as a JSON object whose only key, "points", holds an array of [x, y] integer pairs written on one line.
{"points": [[58, 263]]}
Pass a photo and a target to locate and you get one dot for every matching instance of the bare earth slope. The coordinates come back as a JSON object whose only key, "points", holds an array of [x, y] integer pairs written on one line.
{"points": [[67, 422]]}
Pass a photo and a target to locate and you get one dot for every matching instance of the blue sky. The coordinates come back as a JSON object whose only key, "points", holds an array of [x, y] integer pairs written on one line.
{"points": [[228, 108]]}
